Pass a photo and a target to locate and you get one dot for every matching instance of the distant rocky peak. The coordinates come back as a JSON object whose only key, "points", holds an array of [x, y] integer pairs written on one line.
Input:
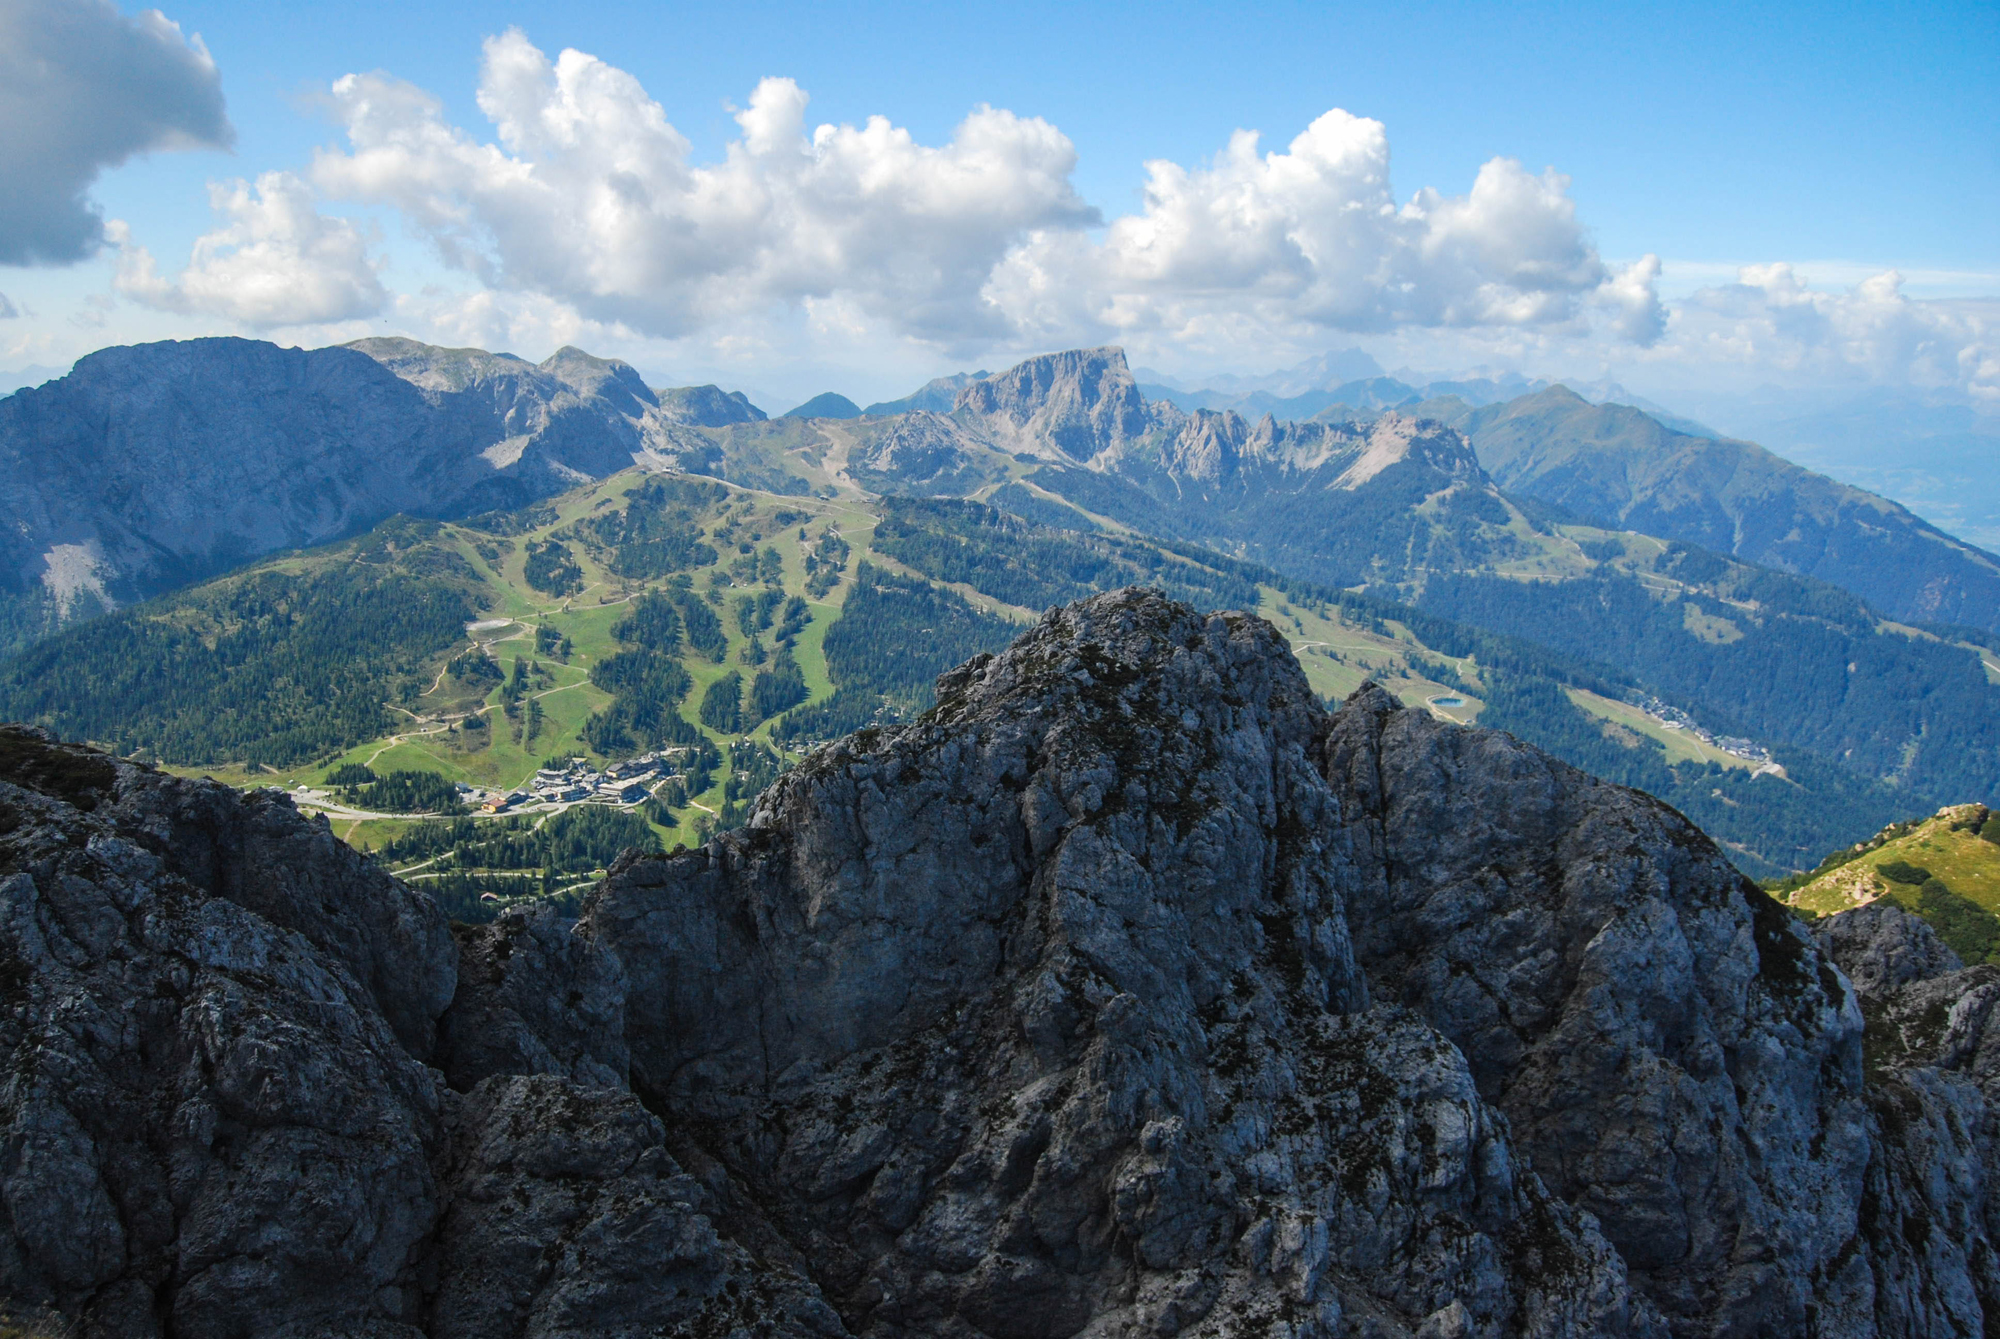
{"points": [[708, 406], [439, 369], [1395, 438], [1215, 446], [611, 379], [1059, 405]]}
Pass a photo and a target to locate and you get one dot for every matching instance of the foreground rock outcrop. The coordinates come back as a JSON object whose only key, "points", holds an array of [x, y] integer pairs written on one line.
{"points": [[1127, 993]]}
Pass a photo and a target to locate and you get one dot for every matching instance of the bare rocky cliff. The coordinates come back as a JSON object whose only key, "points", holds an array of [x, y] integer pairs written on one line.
{"points": [[1082, 407], [1337, 502], [1129, 992], [1060, 406]]}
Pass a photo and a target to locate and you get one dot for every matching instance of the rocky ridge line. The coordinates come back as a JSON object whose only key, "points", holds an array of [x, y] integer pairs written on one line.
{"points": [[151, 466], [1128, 992]]}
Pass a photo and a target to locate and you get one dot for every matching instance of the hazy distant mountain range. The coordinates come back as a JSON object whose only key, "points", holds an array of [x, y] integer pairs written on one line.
{"points": [[1333, 368], [1933, 450], [1609, 456], [1622, 467], [1936, 451], [153, 465]]}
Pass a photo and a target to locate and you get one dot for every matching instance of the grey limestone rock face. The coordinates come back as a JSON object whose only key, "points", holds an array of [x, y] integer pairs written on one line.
{"points": [[1128, 993], [568, 1218], [1062, 406], [532, 998], [1041, 1017], [1881, 946], [1662, 1060], [1933, 1065], [217, 1119], [154, 465], [1640, 1012], [210, 1122]]}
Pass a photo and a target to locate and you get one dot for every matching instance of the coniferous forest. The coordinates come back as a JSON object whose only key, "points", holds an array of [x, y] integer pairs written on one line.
{"points": [[301, 659]]}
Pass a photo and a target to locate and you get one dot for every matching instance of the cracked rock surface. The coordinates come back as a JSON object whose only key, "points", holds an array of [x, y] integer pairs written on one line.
{"points": [[1127, 993]]}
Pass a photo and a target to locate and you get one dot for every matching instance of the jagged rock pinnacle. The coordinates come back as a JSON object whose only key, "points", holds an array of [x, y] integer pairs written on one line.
{"points": [[1127, 992]]}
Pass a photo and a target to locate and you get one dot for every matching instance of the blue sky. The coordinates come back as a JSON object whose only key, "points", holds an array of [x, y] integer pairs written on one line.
{"points": [[1841, 140]]}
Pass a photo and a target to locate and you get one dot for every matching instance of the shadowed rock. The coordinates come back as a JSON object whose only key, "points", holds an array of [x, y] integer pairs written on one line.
{"points": [[1042, 1013], [1881, 946], [1128, 992]]}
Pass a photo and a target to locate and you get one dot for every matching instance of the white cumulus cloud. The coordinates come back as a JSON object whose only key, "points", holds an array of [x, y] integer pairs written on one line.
{"points": [[83, 88], [1311, 237], [589, 196], [1770, 318], [277, 261]]}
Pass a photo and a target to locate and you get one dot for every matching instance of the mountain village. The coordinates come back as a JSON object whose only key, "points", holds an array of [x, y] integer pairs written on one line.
{"points": [[574, 781]]}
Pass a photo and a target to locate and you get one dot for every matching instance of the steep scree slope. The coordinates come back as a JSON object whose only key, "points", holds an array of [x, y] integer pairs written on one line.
{"points": [[1128, 992]]}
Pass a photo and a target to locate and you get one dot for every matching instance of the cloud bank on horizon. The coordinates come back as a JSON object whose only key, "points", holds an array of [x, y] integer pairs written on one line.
{"points": [[584, 217]]}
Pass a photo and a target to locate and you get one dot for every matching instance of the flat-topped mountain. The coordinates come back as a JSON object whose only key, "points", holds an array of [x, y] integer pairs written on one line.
{"points": [[1067, 407], [150, 466], [1128, 991]]}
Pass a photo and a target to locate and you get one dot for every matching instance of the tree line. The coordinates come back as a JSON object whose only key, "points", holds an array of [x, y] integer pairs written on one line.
{"points": [[269, 666]]}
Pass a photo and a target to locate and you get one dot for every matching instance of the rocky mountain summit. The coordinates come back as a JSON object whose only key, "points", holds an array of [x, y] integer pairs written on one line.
{"points": [[1202, 472], [1083, 407], [1609, 464], [1338, 501], [154, 465], [1128, 992], [1066, 406]]}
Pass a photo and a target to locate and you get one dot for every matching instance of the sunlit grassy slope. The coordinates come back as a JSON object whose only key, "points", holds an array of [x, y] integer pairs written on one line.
{"points": [[431, 737], [1948, 845], [1009, 571], [1338, 654]]}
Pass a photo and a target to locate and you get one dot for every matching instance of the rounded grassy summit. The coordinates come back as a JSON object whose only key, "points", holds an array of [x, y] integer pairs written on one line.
{"points": [[827, 404]]}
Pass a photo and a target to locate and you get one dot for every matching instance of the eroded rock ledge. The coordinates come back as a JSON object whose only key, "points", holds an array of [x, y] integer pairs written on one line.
{"points": [[1128, 993]]}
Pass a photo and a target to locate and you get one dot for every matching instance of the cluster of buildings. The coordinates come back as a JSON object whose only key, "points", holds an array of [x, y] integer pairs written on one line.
{"points": [[1673, 718], [572, 780]]}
